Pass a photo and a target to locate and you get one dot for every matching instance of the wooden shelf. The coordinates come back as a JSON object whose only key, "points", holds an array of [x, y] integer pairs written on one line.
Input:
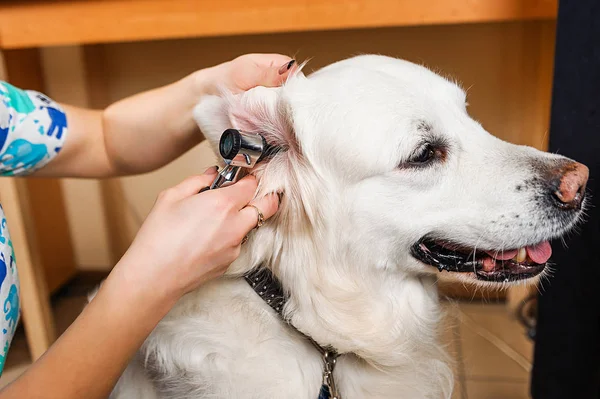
{"points": [[26, 23]]}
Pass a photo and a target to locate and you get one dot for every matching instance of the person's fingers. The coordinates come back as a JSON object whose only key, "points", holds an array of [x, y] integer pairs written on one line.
{"points": [[211, 171], [267, 206], [277, 74], [242, 191], [269, 70], [190, 186]]}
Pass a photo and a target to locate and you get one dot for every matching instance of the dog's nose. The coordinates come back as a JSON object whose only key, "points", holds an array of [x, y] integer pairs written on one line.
{"points": [[571, 188]]}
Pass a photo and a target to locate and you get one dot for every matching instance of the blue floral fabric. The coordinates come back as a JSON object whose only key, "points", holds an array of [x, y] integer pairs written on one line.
{"points": [[33, 129]]}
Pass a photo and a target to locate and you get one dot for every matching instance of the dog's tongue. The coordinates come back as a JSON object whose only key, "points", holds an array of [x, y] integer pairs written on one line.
{"points": [[540, 253]]}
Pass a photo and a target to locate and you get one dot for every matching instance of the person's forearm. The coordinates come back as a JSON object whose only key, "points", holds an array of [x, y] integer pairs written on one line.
{"points": [[135, 135], [146, 131], [89, 357]]}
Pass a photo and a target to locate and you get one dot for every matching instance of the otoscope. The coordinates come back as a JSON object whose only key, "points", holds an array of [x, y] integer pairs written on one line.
{"points": [[239, 150]]}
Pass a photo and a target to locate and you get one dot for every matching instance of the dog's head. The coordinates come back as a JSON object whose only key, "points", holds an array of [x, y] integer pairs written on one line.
{"points": [[381, 166]]}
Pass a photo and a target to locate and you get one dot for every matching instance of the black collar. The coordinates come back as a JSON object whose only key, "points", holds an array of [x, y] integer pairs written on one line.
{"points": [[266, 285]]}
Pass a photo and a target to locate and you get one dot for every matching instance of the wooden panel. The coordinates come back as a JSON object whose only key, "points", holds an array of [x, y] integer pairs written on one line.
{"points": [[48, 214], [43, 23], [54, 240], [114, 201], [66, 82]]}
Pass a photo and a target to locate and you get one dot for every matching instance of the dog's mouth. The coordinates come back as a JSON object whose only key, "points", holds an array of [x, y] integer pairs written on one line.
{"points": [[487, 265]]}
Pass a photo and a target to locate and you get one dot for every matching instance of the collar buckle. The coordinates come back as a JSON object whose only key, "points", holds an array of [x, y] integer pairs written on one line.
{"points": [[329, 360]]}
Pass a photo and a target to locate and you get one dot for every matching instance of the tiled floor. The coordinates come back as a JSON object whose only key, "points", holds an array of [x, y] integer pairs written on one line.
{"points": [[492, 354]]}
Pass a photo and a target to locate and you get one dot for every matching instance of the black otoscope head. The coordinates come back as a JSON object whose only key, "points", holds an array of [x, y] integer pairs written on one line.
{"points": [[244, 149]]}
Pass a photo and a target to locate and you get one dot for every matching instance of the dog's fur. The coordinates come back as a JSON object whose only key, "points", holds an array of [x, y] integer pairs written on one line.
{"points": [[353, 206]]}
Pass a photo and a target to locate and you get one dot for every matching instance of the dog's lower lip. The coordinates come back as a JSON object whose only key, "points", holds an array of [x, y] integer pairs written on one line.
{"points": [[459, 258]]}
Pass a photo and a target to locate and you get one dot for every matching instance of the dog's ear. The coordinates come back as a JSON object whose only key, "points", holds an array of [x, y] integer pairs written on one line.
{"points": [[268, 111], [260, 110]]}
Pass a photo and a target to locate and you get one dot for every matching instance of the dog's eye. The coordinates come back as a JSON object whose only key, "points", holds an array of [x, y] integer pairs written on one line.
{"points": [[425, 155]]}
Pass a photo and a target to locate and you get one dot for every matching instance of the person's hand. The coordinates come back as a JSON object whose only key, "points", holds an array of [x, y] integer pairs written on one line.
{"points": [[190, 238], [245, 72]]}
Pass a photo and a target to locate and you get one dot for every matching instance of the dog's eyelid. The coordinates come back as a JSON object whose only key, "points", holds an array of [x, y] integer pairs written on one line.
{"points": [[429, 151], [421, 148], [422, 156]]}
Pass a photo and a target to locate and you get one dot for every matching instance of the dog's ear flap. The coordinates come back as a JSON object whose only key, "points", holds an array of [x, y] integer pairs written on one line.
{"points": [[260, 110], [266, 111], [263, 111]]}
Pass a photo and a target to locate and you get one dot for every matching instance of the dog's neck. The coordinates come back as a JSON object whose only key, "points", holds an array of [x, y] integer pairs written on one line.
{"points": [[381, 316], [370, 317]]}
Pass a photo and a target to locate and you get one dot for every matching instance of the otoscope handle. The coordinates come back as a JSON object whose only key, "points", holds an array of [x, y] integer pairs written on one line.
{"points": [[227, 176]]}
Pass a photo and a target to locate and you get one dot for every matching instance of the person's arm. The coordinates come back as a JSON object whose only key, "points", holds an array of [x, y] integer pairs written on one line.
{"points": [[146, 131], [187, 239]]}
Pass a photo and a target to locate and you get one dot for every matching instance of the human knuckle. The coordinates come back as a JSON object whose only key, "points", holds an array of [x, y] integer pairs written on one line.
{"points": [[251, 181], [166, 195], [196, 179]]}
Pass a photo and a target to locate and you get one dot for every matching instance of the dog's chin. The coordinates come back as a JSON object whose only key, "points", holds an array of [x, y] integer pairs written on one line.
{"points": [[490, 265]]}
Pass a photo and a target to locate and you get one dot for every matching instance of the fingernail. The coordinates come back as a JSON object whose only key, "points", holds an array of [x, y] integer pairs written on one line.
{"points": [[286, 67], [211, 170]]}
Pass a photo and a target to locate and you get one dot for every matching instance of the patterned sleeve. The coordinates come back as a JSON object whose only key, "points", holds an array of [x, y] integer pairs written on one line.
{"points": [[10, 311], [33, 129]]}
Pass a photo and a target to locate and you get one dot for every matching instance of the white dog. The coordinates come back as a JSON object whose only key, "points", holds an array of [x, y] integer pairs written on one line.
{"points": [[386, 180]]}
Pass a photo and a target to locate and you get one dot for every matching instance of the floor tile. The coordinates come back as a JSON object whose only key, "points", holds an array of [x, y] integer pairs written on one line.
{"points": [[449, 328], [496, 319], [497, 390], [450, 335], [486, 353]]}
